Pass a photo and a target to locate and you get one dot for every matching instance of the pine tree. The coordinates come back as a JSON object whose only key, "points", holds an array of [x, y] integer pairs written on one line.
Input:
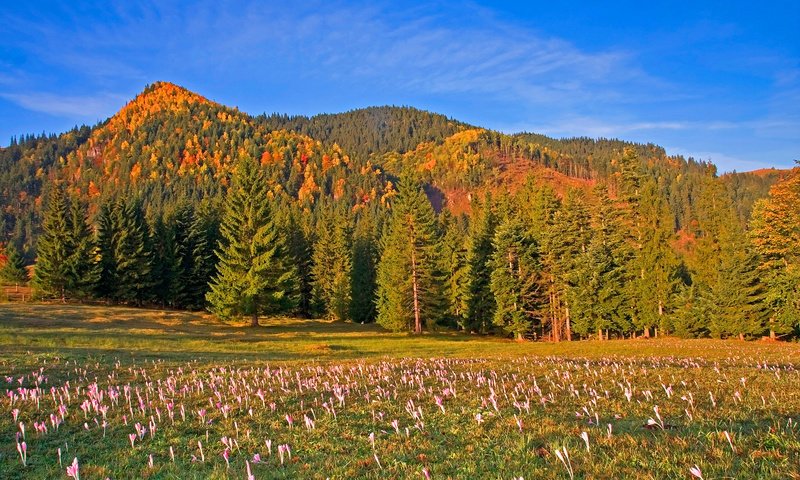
{"points": [[202, 238], [332, 269], [132, 253], [480, 303], [167, 239], [51, 273], [363, 278], [13, 270], [724, 269], [104, 259], [602, 283], [83, 274], [296, 229], [254, 273], [455, 266], [573, 223], [653, 268], [515, 281], [409, 285]]}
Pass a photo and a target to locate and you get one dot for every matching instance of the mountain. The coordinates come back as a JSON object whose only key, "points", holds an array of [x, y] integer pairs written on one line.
{"points": [[170, 145]]}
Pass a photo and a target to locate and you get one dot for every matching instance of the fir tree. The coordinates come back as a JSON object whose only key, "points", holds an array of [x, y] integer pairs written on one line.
{"points": [[83, 273], [602, 284], [455, 266], [479, 301], [51, 273], [132, 253], [13, 270], [409, 285], [104, 259], [168, 243], [255, 275], [332, 267], [653, 268], [202, 237], [364, 270], [515, 280]]}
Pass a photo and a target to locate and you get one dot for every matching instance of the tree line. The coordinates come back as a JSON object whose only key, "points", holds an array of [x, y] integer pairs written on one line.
{"points": [[528, 264]]}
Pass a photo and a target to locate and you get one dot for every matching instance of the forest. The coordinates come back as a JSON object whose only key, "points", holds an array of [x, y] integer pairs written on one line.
{"points": [[402, 217]]}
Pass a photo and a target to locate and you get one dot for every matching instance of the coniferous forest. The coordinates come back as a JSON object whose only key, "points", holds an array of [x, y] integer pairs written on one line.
{"points": [[401, 217]]}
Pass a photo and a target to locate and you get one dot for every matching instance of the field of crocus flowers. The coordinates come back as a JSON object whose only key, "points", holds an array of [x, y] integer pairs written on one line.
{"points": [[101, 392]]}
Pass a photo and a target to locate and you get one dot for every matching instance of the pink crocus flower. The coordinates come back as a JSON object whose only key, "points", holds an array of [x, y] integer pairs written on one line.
{"points": [[73, 470]]}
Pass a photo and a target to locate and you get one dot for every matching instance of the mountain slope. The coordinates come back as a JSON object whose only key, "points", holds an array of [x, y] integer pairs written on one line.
{"points": [[170, 144]]}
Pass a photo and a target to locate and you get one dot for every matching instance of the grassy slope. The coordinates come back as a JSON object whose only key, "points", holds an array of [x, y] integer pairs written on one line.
{"points": [[758, 404]]}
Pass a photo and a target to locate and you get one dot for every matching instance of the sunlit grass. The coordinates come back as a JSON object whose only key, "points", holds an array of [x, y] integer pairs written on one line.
{"points": [[473, 407]]}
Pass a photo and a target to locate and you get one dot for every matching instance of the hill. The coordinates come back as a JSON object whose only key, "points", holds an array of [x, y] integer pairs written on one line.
{"points": [[169, 145]]}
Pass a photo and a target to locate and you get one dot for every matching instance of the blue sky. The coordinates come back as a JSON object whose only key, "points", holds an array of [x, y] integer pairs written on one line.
{"points": [[715, 80]]}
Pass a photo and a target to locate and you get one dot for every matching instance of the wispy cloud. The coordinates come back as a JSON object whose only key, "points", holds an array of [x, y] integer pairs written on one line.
{"points": [[91, 108]]}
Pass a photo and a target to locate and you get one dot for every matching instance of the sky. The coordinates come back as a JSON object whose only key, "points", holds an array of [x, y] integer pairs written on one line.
{"points": [[716, 80]]}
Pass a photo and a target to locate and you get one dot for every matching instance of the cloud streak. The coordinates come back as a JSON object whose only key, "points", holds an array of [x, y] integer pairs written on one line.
{"points": [[91, 108]]}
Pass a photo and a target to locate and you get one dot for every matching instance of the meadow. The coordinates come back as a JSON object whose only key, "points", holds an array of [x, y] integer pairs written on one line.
{"points": [[98, 392]]}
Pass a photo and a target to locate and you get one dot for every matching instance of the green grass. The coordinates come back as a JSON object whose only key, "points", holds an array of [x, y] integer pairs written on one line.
{"points": [[556, 391]]}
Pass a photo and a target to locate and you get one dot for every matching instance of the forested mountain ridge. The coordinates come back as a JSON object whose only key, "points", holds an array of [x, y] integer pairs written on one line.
{"points": [[615, 238]]}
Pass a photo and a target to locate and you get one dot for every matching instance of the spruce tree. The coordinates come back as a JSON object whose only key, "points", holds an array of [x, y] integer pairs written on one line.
{"points": [[515, 280], [13, 270], [653, 268], [167, 239], [455, 266], [51, 272], [602, 284], [479, 301], [83, 273], [332, 268], [409, 283], [202, 238], [104, 260], [132, 253], [255, 275], [572, 220], [364, 270]]}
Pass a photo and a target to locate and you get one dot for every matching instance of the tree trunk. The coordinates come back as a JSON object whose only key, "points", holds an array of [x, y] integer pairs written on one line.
{"points": [[741, 336], [646, 332], [771, 334], [599, 333], [569, 327], [417, 322], [254, 320]]}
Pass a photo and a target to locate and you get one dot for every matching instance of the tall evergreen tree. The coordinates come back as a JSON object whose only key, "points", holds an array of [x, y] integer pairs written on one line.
{"points": [[480, 303], [653, 268], [132, 253], [51, 273], [602, 286], [332, 269], [724, 269], [254, 273], [364, 270], [105, 262], [13, 270], [83, 272], [455, 265], [203, 236], [409, 285], [515, 280]]}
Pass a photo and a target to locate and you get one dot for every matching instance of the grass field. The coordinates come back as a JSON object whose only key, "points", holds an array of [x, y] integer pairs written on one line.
{"points": [[158, 394]]}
